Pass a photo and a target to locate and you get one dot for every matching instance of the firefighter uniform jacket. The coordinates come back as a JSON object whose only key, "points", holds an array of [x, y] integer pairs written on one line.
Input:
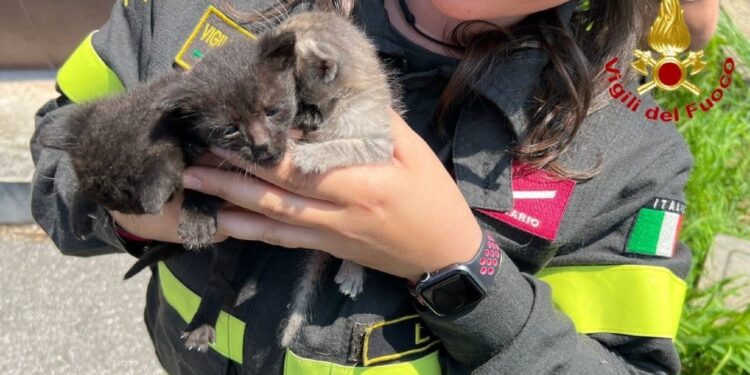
{"points": [[592, 276]]}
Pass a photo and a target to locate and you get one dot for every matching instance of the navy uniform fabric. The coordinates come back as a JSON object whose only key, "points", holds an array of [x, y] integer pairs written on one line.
{"points": [[516, 329]]}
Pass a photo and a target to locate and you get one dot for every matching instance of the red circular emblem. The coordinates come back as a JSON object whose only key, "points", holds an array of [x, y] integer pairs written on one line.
{"points": [[670, 73]]}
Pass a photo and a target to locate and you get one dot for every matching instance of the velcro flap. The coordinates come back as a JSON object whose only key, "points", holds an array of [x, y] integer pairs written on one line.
{"points": [[394, 339], [213, 30]]}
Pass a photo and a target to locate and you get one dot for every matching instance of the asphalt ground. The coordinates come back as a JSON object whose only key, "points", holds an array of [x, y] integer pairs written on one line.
{"points": [[69, 315]]}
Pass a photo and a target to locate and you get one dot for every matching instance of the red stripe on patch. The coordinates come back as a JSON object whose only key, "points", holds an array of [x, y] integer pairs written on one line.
{"points": [[539, 202], [677, 234]]}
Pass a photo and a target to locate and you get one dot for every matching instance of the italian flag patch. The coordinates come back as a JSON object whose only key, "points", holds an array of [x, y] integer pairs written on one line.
{"points": [[656, 228]]}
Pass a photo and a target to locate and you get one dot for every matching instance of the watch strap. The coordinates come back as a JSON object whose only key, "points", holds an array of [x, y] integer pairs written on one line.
{"points": [[486, 262], [480, 272]]}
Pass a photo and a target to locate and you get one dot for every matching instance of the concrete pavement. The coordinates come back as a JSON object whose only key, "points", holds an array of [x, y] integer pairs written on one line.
{"points": [[21, 94]]}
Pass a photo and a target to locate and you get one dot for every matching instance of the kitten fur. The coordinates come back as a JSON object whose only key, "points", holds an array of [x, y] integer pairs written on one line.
{"points": [[129, 153], [344, 98], [338, 73]]}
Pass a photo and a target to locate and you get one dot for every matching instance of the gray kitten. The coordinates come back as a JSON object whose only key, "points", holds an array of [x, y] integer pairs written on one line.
{"points": [[338, 73]]}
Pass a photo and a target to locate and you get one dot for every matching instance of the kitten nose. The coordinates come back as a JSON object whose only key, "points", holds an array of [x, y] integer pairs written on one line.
{"points": [[259, 150], [259, 134]]}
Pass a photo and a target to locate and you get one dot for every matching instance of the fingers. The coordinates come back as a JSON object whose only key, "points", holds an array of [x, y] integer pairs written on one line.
{"points": [[287, 177], [246, 225], [259, 196]]}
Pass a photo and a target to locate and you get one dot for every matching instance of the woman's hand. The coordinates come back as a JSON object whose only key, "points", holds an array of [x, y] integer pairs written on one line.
{"points": [[159, 227], [163, 226], [405, 218]]}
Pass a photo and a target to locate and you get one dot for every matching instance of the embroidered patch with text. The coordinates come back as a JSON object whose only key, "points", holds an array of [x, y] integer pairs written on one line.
{"points": [[212, 31], [656, 228], [394, 339], [539, 202]]}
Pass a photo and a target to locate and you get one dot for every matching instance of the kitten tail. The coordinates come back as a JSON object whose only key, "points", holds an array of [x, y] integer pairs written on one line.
{"points": [[303, 296], [153, 256]]}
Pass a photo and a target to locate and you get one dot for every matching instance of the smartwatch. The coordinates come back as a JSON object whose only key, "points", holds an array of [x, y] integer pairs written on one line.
{"points": [[460, 286]]}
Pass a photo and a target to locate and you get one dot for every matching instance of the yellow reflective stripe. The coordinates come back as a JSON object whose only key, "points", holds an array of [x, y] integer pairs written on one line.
{"points": [[85, 76], [626, 299], [230, 331], [295, 365]]}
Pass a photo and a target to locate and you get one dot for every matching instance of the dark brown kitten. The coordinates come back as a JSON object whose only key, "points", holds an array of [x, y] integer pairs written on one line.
{"points": [[129, 151]]}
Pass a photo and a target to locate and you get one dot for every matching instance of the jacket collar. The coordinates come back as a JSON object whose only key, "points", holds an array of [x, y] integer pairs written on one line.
{"points": [[509, 82]]}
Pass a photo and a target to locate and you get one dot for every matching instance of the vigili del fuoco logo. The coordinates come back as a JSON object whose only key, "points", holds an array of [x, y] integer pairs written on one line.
{"points": [[670, 69]]}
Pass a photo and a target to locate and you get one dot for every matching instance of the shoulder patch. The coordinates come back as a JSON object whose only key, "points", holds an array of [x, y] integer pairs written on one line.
{"points": [[393, 339], [656, 228], [539, 202], [213, 30]]}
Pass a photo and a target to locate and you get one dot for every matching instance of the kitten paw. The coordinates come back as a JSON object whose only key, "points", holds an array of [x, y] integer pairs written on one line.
{"points": [[196, 230], [199, 338], [307, 160], [308, 118], [351, 279]]}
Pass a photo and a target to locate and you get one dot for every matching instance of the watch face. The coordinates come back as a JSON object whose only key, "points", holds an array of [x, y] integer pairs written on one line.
{"points": [[452, 295]]}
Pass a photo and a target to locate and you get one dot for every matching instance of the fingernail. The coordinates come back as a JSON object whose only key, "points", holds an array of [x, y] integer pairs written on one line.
{"points": [[191, 182]]}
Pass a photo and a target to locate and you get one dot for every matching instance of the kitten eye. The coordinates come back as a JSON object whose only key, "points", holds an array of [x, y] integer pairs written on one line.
{"points": [[271, 112], [231, 130]]}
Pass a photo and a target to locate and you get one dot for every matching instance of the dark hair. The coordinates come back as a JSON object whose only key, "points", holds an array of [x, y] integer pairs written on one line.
{"points": [[570, 86]]}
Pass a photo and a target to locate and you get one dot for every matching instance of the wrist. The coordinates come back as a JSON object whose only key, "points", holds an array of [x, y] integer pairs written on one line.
{"points": [[124, 229], [134, 244], [457, 248], [127, 236]]}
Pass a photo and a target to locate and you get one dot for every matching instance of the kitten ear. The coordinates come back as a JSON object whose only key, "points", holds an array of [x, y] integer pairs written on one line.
{"points": [[320, 61], [280, 47], [175, 100], [62, 134]]}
